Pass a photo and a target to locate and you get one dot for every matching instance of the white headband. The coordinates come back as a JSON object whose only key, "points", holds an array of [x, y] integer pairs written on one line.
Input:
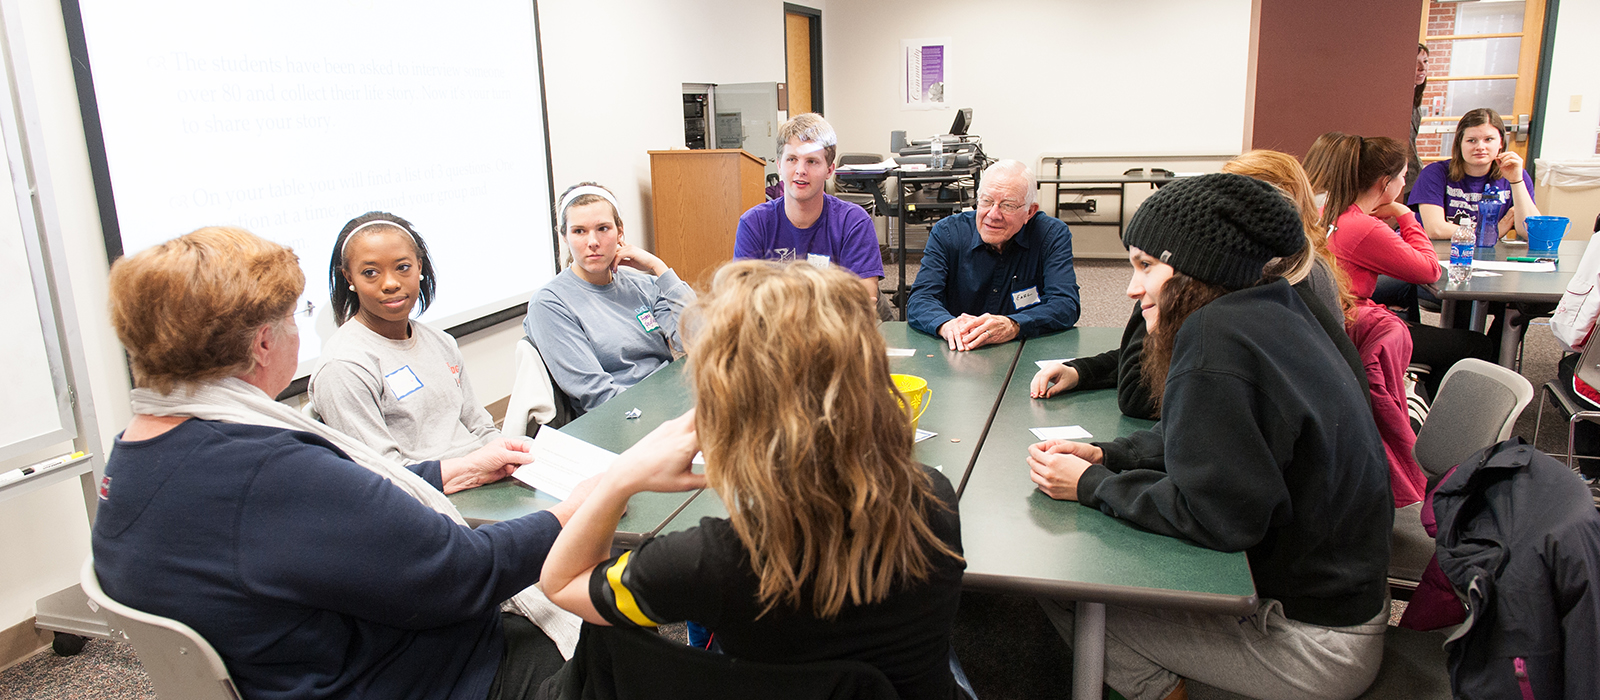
{"points": [[588, 189], [375, 222]]}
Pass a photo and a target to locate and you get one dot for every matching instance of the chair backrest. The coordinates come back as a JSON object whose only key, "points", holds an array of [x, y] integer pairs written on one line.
{"points": [[180, 663], [1589, 364], [532, 393], [626, 664], [860, 158], [1477, 406]]}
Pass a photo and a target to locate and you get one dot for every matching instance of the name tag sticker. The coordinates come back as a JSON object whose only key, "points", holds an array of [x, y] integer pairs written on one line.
{"points": [[1025, 298], [403, 382], [647, 320], [818, 260]]}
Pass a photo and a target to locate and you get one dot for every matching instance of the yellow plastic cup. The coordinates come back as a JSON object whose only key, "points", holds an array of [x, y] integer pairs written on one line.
{"points": [[914, 396]]}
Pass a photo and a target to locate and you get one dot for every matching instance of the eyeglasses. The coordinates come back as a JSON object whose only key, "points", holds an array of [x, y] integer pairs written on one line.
{"points": [[1006, 207], [309, 310]]}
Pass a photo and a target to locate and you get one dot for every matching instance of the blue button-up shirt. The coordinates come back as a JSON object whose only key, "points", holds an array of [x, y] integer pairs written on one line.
{"points": [[963, 275]]}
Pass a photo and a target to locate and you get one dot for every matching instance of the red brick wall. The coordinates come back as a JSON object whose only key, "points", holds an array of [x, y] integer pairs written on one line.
{"points": [[1333, 66], [1441, 21]]}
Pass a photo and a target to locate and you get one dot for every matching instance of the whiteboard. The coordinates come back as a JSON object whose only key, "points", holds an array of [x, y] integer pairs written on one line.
{"points": [[290, 118], [35, 406]]}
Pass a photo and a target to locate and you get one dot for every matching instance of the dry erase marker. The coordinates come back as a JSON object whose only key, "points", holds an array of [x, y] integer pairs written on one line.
{"points": [[16, 475]]}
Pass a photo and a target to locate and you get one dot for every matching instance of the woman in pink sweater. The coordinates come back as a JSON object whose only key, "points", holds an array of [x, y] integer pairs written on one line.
{"points": [[1364, 177]]}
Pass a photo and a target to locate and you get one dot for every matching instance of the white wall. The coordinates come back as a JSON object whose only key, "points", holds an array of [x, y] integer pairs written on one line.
{"points": [[1574, 70], [614, 71], [1144, 77]]}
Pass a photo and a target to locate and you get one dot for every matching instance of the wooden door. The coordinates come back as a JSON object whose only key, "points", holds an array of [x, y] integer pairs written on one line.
{"points": [[797, 37], [1480, 54], [802, 39]]}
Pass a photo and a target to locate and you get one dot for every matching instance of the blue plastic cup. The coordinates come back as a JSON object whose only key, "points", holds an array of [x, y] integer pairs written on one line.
{"points": [[1545, 232]]}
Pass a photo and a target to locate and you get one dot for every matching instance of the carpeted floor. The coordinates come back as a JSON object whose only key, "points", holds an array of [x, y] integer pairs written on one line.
{"points": [[104, 670], [1006, 645]]}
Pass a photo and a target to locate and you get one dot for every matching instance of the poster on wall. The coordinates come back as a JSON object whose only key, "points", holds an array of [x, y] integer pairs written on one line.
{"points": [[924, 65]]}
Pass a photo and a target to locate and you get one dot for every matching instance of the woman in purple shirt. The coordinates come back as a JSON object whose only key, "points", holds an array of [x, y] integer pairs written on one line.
{"points": [[1447, 192]]}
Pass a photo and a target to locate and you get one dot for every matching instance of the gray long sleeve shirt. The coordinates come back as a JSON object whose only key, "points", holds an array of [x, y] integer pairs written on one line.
{"points": [[600, 340], [409, 399]]}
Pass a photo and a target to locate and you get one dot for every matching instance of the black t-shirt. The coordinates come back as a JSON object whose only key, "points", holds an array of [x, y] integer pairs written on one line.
{"points": [[704, 574]]}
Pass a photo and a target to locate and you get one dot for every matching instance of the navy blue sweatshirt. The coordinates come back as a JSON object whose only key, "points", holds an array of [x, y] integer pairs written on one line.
{"points": [[312, 576], [1265, 446]]}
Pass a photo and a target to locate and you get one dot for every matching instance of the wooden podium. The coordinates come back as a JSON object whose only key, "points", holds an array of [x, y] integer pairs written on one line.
{"points": [[697, 197]]}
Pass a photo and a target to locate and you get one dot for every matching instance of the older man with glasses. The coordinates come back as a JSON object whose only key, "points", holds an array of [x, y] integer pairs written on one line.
{"points": [[1000, 272]]}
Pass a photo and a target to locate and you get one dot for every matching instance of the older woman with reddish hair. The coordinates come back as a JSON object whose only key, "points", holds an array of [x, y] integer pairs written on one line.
{"points": [[315, 566]]}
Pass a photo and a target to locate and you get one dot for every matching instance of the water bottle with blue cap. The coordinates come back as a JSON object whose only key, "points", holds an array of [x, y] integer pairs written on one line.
{"points": [[1489, 207]]}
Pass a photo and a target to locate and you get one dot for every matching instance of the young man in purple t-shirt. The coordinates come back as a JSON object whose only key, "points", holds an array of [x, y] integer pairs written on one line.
{"points": [[807, 223]]}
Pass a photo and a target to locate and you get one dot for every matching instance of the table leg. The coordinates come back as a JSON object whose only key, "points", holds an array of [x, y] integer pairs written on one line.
{"points": [[1122, 207], [1509, 338], [900, 211], [1447, 313], [1480, 316], [1088, 650]]}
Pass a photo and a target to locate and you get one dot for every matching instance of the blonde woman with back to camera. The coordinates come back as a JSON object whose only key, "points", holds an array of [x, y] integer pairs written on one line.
{"points": [[839, 544]]}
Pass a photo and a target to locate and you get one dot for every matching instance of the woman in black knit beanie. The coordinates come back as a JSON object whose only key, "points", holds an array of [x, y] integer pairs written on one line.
{"points": [[1256, 451]]}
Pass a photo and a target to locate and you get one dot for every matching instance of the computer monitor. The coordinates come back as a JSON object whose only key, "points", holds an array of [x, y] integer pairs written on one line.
{"points": [[962, 123]]}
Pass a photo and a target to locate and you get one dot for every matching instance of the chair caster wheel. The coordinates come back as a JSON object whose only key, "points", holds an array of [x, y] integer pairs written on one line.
{"points": [[67, 644]]}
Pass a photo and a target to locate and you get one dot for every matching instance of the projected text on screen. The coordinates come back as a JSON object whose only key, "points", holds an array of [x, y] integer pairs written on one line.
{"points": [[290, 118]]}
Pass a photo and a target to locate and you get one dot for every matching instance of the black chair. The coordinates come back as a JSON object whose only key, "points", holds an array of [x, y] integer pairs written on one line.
{"points": [[625, 664], [1569, 405], [867, 192]]}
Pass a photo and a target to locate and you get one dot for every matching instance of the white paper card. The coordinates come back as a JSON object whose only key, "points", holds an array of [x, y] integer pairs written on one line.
{"points": [[1047, 364], [403, 382], [902, 352], [560, 461], [1062, 432], [1025, 298], [1506, 266], [924, 434]]}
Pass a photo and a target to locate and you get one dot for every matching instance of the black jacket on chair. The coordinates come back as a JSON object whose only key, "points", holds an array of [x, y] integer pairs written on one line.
{"points": [[1519, 538]]}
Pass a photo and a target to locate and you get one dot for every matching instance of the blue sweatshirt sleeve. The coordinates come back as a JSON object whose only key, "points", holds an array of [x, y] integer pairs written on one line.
{"points": [[430, 472], [321, 531]]}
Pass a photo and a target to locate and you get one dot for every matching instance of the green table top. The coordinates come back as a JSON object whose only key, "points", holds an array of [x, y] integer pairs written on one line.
{"points": [[1019, 540], [661, 396], [1512, 286], [965, 388]]}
